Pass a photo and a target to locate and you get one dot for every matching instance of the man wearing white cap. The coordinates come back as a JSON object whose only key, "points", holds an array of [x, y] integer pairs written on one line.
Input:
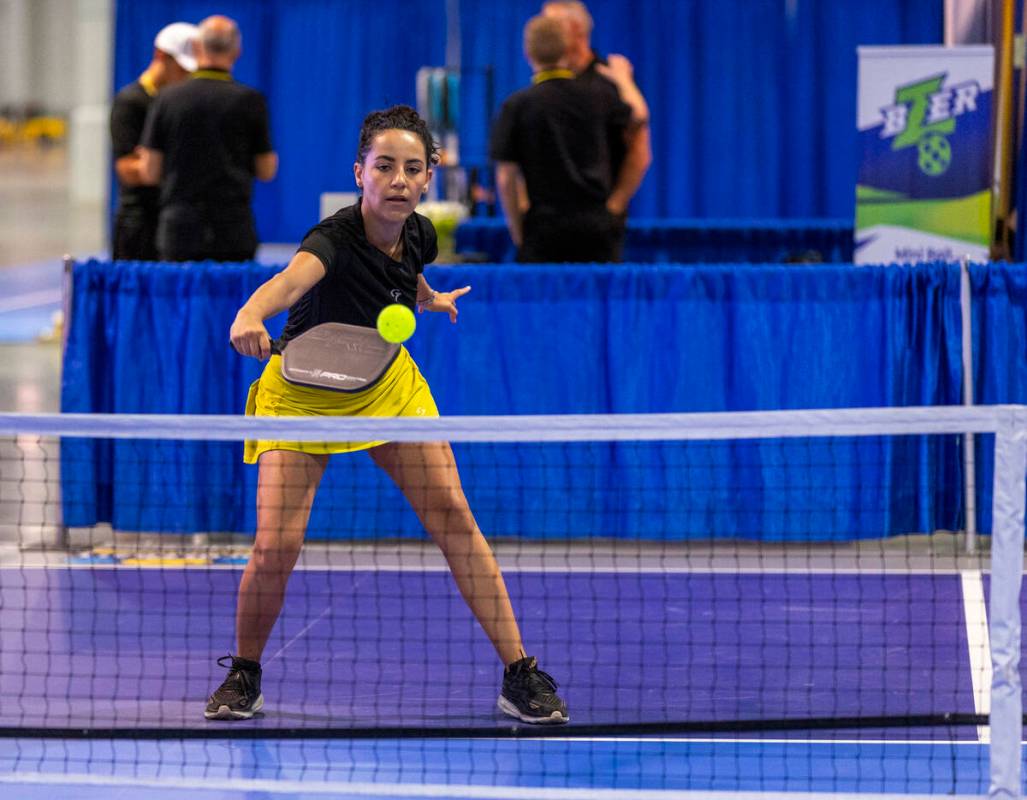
{"points": [[205, 142], [135, 224]]}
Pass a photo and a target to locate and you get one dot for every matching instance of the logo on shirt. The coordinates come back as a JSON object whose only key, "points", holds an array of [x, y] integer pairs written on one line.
{"points": [[397, 295]]}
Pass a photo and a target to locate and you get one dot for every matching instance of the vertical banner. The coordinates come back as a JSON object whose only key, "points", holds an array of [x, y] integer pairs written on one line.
{"points": [[924, 186]]}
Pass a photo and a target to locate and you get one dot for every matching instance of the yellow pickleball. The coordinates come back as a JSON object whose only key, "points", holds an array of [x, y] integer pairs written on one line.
{"points": [[396, 323]]}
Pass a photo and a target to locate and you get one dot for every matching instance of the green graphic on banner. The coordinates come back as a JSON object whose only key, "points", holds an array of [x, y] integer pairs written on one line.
{"points": [[965, 219], [923, 192], [914, 101], [934, 154]]}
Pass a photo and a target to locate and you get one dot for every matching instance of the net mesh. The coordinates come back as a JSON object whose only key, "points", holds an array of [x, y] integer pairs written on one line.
{"points": [[675, 574]]}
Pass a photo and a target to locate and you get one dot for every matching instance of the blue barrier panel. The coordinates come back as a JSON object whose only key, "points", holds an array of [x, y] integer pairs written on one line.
{"points": [[553, 339]]}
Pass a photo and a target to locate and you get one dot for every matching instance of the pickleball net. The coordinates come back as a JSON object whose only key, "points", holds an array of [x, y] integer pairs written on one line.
{"points": [[801, 573]]}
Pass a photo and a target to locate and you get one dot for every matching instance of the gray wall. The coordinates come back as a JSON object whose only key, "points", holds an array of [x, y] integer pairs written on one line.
{"points": [[55, 53]]}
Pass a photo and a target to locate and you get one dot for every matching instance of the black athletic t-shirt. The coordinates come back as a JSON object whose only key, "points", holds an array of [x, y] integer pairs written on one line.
{"points": [[209, 129], [128, 117], [360, 280], [558, 132]]}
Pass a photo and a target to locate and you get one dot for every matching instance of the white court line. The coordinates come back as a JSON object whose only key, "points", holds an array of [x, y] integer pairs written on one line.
{"points": [[976, 615], [299, 635], [628, 569], [715, 740], [472, 792], [20, 302]]}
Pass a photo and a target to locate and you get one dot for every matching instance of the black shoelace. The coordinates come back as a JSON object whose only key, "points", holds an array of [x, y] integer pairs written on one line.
{"points": [[535, 676], [240, 675]]}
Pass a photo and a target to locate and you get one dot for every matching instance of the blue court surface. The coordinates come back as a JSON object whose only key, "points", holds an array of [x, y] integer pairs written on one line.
{"points": [[453, 768], [129, 647]]}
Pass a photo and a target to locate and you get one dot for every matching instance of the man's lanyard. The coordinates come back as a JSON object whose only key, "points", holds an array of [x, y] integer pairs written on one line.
{"points": [[148, 85], [550, 74], [212, 74]]}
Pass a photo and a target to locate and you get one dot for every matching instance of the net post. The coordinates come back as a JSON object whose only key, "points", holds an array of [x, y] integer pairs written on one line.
{"points": [[1007, 542], [969, 455], [67, 291]]}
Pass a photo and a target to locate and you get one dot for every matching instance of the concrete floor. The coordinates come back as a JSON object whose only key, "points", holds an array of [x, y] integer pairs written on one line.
{"points": [[30, 377], [38, 225], [39, 221]]}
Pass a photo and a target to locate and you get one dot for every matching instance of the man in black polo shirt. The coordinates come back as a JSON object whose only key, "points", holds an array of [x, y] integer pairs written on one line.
{"points": [[630, 154], [554, 136], [135, 222], [205, 141]]}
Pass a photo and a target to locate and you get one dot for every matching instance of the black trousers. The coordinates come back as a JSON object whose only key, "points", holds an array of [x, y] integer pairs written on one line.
{"points": [[572, 236], [135, 235], [190, 233]]}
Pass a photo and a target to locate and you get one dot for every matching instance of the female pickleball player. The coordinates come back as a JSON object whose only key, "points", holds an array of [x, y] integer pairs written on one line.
{"points": [[347, 269]]}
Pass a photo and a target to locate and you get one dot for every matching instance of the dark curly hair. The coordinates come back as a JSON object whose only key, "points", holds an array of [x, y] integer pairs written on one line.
{"points": [[402, 118]]}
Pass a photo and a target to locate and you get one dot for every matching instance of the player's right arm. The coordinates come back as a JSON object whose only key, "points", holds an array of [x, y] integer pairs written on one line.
{"points": [[265, 160], [248, 334]]}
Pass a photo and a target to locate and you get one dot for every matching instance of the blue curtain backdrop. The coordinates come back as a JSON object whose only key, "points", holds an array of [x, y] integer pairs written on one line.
{"points": [[152, 338], [323, 65], [753, 110]]}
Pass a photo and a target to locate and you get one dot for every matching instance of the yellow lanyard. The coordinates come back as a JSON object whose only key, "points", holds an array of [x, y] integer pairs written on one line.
{"points": [[148, 86], [212, 74], [549, 74]]}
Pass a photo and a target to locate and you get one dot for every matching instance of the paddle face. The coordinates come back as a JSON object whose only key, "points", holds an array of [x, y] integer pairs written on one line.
{"points": [[333, 355]]}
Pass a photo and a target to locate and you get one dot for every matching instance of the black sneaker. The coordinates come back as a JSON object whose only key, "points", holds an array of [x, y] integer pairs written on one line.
{"points": [[529, 694], [238, 697]]}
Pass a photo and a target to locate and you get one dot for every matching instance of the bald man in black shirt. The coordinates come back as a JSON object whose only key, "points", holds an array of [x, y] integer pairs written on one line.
{"points": [[555, 137], [205, 142]]}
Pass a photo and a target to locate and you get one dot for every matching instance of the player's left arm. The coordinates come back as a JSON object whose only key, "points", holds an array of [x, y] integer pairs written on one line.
{"points": [[430, 300], [508, 183], [620, 72], [639, 154], [636, 163], [265, 166]]}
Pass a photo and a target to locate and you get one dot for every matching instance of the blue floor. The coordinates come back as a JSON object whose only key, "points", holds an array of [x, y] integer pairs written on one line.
{"points": [[30, 294], [399, 648], [101, 645], [491, 768], [29, 297]]}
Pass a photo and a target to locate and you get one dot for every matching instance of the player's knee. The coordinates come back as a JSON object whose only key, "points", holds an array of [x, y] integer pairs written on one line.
{"points": [[278, 557], [449, 502]]}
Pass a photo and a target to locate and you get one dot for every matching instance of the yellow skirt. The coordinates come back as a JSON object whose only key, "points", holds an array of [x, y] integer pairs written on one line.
{"points": [[401, 392]]}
